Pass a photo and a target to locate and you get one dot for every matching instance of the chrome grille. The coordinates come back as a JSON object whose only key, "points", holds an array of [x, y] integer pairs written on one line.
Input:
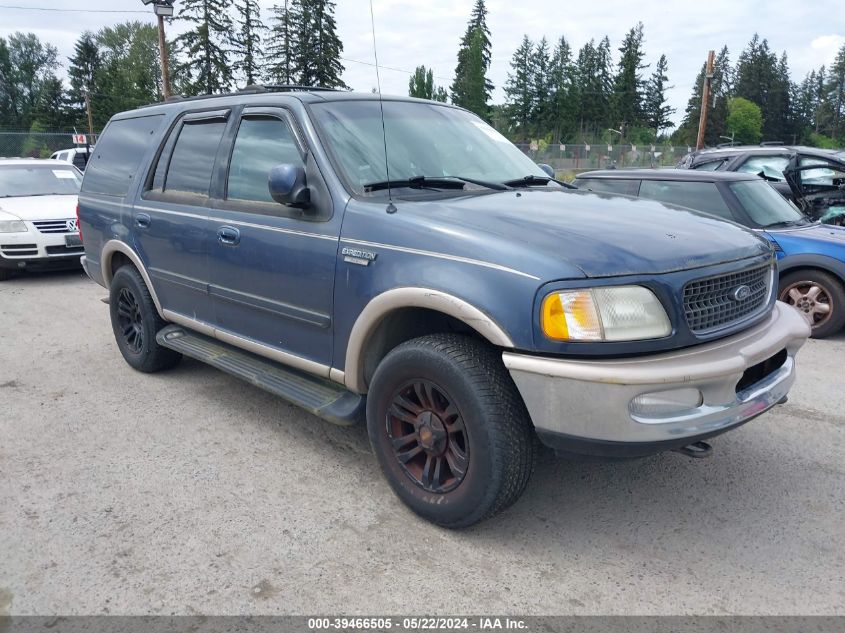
{"points": [[56, 226], [708, 304]]}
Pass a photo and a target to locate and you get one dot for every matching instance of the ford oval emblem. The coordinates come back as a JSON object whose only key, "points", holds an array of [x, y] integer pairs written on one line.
{"points": [[740, 293]]}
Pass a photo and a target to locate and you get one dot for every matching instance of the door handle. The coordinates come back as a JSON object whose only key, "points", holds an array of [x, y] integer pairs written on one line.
{"points": [[142, 220], [228, 235]]}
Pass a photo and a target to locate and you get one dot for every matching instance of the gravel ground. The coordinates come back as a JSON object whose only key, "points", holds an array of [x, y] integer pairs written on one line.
{"points": [[190, 492]]}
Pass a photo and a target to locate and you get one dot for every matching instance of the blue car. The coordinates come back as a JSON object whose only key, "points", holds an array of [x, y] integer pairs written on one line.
{"points": [[811, 256], [400, 263]]}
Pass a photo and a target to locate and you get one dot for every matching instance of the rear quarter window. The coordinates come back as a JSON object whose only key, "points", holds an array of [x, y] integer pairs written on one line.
{"points": [[701, 196], [627, 187], [117, 158]]}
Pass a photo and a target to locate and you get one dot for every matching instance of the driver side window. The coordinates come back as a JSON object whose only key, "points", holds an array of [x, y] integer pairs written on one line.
{"points": [[771, 166], [262, 143]]}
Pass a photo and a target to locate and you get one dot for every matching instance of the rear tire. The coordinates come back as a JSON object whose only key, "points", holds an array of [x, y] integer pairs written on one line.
{"points": [[450, 430], [135, 322], [819, 295]]}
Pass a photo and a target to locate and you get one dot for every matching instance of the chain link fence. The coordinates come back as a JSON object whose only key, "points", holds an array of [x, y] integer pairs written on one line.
{"points": [[15, 144], [572, 159]]}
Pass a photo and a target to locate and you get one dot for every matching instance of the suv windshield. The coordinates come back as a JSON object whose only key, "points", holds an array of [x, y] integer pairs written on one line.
{"points": [[38, 180], [765, 206], [422, 139]]}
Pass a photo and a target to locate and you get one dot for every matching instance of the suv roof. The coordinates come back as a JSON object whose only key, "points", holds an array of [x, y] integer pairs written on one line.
{"points": [[264, 94], [686, 175], [761, 150]]}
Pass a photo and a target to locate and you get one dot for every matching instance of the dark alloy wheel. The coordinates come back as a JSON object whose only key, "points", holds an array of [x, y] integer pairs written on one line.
{"points": [[130, 320], [819, 296], [429, 436], [135, 322], [449, 428]]}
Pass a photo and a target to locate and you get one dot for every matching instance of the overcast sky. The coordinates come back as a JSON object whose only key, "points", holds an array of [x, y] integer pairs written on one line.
{"points": [[413, 32]]}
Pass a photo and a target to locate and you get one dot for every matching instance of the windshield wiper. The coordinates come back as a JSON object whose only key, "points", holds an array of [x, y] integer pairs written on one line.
{"points": [[531, 179], [783, 223], [433, 182]]}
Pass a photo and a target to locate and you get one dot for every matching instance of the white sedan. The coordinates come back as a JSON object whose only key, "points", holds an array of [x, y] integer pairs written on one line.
{"points": [[38, 224]]}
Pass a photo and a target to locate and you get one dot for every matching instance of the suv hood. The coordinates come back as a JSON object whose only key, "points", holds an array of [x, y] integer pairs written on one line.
{"points": [[32, 208], [601, 235]]}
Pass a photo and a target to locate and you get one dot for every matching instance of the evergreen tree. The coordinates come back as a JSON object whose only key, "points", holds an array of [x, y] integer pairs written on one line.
{"points": [[540, 64], [593, 87], [421, 85], [561, 87], [519, 88], [471, 88], [317, 59], [628, 85], [83, 74], [130, 74], [283, 42], [657, 112], [204, 59], [834, 97], [247, 39]]}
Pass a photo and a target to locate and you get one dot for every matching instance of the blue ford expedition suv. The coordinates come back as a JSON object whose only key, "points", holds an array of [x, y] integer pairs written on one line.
{"points": [[400, 262]]}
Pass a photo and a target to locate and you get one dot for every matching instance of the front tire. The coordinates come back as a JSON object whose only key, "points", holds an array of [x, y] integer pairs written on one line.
{"points": [[817, 294], [135, 322], [450, 430]]}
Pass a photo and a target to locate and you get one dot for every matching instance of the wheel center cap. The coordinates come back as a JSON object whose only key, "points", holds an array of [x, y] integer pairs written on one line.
{"points": [[431, 432]]}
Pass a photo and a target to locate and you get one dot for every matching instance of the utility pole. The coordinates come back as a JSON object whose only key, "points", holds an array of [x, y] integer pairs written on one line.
{"points": [[705, 98], [165, 63], [90, 118], [162, 9]]}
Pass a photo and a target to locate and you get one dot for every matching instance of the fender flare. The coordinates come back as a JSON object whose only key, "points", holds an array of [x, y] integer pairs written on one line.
{"points": [[825, 263], [411, 297], [116, 246]]}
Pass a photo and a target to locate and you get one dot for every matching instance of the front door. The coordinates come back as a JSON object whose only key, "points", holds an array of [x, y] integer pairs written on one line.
{"points": [[272, 266]]}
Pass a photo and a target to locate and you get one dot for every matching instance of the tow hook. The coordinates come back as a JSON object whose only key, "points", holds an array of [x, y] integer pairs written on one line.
{"points": [[697, 450]]}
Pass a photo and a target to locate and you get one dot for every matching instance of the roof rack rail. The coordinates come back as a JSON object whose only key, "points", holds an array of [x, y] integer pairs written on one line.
{"points": [[285, 88], [772, 143], [729, 144], [250, 89]]}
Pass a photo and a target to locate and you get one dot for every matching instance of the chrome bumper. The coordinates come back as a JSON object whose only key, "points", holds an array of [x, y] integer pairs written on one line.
{"points": [[593, 401]]}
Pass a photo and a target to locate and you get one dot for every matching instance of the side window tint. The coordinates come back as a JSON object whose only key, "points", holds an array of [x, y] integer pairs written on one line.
{"points": [[713, 165], [261, 144], [771, 166], [701, 196], [118, 155], [608, 185], [192, 160]]}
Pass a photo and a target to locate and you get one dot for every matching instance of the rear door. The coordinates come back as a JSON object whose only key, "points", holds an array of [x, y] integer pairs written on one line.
{"points": [[272, 266], [170, 221]]}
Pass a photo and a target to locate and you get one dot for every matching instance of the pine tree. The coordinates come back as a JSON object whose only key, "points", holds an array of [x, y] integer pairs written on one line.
{"points": [[283, 42], [561, 87], [204, 62], [317, 59], [421, 85], [519, 88], [471, 88], [247, 39], [834, 96], [628, 83], [542, 92], [83, 73], [657, 111]]}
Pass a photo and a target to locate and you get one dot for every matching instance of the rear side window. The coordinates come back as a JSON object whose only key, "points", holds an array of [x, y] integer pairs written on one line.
{"points": [[770, 166], [701, 196], [117, 157], [712, 165], [193, 157], [609, 185]]}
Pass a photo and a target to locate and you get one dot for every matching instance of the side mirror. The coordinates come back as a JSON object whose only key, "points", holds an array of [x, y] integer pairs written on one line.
{"points": [[287, 185], [550, 172]]}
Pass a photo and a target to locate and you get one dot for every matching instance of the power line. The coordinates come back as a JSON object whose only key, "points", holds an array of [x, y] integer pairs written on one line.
{"points": [[9, 6], [398, 70]]}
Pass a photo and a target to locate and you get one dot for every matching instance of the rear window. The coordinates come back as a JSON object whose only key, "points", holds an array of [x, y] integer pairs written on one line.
{"points": [[701, 196], [118, 154], [609, 185]]}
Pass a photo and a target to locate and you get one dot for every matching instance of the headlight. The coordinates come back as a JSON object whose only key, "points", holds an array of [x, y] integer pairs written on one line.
{"points": [[620, 313], [12, 226]]}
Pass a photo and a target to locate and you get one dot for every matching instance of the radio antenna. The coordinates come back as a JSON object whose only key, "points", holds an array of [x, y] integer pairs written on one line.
{"points": [[390, 207]]}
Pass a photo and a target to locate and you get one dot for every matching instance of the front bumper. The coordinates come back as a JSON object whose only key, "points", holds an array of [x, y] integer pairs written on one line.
{"points": [[586, 407], [34, 249]]}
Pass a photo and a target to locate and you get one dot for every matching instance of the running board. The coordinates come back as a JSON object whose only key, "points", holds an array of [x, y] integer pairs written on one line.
{"points": [[319, 396]]}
